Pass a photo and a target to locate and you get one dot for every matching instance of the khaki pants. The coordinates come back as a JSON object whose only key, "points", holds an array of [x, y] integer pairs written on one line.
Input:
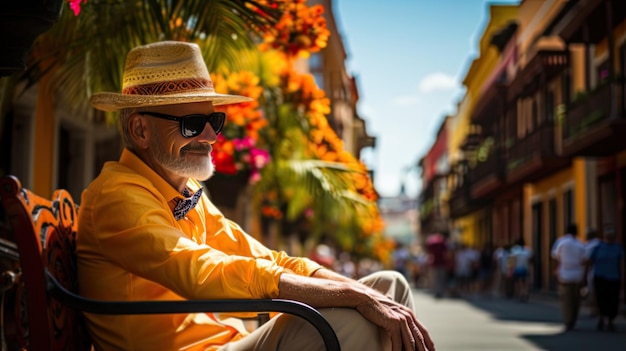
{"points": [[569, 294], [286, 332]]}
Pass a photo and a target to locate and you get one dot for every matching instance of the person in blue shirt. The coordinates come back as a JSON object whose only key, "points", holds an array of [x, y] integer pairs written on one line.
{"points": [[607, 260]]}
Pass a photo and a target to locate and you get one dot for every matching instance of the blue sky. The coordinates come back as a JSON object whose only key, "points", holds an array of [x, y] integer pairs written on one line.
{"points": [[409, 58]]}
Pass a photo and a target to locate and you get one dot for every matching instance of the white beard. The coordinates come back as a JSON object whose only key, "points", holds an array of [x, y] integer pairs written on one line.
{"points": [[196, 167]]}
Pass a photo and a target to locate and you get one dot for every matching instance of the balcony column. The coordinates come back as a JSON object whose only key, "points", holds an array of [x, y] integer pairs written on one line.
{"points": [[591, 189], [566, 81], [613, 86], [588, 58]]}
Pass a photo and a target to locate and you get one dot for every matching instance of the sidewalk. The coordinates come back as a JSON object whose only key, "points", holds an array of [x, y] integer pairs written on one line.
{"points": [[509, 325], [553, 298]]}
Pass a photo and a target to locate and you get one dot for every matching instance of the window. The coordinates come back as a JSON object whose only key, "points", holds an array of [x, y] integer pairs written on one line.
{"points": [[550, 105], [316, 65], [315, 61], [602, 72], [534, 115], [537, 236], [552, 220]]}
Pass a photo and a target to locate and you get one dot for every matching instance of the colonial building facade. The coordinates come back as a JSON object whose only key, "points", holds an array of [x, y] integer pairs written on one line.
{"points": [[545, 118]]}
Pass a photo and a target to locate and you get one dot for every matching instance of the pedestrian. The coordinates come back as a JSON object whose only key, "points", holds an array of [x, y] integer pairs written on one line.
{"points": [[569, 253], [522, 257], [148, 232], [486, 270], [420, 268], [506, 264], [589, 294], [465, 263], [438, 257], [607, 260], [401, 257]]}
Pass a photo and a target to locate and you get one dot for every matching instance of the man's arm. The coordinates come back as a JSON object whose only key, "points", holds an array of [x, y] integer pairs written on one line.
{"points": [[556, 258], [554, 251], [328, 289]]}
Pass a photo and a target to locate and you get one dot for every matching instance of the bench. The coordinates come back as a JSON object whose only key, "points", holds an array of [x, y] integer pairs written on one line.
{"points": [[41, 309]]}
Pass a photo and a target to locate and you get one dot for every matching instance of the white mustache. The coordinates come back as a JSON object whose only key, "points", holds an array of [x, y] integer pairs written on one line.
{"points": [[197, 148]]}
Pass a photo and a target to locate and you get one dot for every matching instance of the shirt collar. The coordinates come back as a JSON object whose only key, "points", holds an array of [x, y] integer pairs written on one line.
{"points": [[132, 161]]}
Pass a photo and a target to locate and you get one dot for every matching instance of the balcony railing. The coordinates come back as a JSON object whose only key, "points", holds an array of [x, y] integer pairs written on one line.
{"points": [[492, 165], [460, 200], [587, 111], [488, 176], [527, 156]]}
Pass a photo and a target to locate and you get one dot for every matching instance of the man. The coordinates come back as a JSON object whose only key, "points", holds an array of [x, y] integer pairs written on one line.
{"points": [[147, 232], [569, 253], [607, 258]]}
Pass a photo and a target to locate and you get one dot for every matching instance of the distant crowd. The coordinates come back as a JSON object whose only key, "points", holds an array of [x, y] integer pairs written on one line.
{"points": [[587, 274], [455, 269]]}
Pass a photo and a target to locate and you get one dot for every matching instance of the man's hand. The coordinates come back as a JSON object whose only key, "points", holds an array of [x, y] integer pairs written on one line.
{"points": [[328, 289], [405, 331]]}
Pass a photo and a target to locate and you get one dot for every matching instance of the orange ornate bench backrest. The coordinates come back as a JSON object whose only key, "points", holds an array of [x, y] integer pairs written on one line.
{"points": [[45, 232]]}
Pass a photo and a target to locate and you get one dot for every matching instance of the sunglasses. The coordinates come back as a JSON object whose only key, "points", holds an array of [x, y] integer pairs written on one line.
{"points": [[193, 125]]}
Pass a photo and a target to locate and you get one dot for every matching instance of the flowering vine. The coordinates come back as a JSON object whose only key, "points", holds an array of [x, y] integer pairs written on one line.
{"points": [[237, 148], [300, 31]]}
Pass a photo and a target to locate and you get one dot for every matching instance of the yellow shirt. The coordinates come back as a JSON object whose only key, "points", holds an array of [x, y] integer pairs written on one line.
{"points": [[130, 248]]}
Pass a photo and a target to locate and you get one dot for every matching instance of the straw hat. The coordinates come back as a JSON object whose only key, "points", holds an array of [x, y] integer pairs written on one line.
{"points": [[164, 73]]}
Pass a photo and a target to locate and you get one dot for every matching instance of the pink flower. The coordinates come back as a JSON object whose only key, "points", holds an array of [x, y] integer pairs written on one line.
{"points": [[255, 176], [260, 157], [308, 213], [75, 6], [243, 143]]}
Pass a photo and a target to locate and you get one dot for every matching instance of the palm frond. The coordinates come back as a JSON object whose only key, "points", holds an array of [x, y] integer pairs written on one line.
{"points": [[315, 184], [88, 52]]}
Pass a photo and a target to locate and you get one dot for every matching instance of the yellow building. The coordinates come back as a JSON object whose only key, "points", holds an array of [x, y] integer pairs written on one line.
{"points": [[471, 217], [545, 127]]}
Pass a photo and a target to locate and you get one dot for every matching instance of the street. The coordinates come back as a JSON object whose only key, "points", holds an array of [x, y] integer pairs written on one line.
{"points": [[509, 325]]}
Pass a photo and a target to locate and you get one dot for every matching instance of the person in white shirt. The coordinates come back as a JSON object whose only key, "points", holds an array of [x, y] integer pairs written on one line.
{"points": [[569, 253], [522, 257], [466, 261]]}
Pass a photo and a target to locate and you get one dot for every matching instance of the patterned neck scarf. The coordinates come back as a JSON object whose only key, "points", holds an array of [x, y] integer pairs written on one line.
{"points": [[187, 203]]}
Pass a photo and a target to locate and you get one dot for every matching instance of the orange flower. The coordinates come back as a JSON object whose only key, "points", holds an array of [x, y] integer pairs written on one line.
{"points": [[300, 31], [237, 147]]}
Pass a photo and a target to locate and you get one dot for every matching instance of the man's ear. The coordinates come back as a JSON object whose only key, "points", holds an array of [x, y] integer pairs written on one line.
{"points": [[139, 131]]}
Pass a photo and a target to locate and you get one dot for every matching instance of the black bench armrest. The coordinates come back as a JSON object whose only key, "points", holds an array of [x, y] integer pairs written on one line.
{"points": [[189, 306]]}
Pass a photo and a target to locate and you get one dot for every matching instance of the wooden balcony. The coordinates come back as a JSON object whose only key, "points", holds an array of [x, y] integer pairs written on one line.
{"points": [[534, 156], [433, 218], [462, 203], [490, 105], [583, 21], [542, 67], [488, 176], [595, 125]]}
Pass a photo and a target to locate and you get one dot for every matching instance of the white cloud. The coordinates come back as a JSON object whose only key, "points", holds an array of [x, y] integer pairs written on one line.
{"points": [[437, 82], [431, 83]]}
